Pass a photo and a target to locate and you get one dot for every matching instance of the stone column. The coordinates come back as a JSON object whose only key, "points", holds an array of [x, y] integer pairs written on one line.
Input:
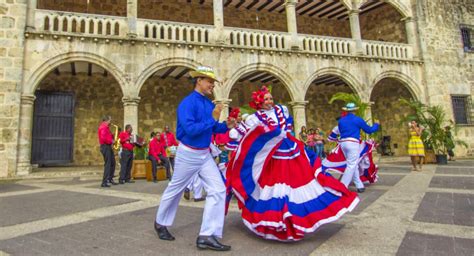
{"points": [[225, 110], [25, 135], [290, 7], [410, 28], [355, 30], [368, 113], [132, 14], [130, 112], [30, 19], [299, 114], [218, 8]]}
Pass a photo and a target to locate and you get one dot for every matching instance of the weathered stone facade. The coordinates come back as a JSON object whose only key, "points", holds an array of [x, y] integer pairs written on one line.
{"points": [[12, 43], [448, 68], [417, 45]]}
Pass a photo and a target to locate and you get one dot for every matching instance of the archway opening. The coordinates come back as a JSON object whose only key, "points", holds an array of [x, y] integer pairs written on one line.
{"points": [[70, 102], [319, 113], [160, 96], [388, 110]]}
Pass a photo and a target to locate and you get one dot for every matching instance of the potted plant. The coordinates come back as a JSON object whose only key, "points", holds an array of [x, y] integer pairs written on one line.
{"points": [[433, 119]]}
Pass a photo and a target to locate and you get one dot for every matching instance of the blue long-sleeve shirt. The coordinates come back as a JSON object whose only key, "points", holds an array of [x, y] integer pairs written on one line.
{"points": [[350, 125], [195, 123]]}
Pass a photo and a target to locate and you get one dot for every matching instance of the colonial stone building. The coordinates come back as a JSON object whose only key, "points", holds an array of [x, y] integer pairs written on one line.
{"points": [[64, 64]]}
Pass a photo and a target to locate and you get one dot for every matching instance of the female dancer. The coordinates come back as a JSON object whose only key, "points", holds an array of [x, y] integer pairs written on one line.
{"points": [[273, 178]]}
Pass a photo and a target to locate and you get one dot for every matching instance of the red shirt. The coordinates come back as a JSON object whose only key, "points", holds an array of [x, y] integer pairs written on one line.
{"points": [[156, 148], [125, 140], [169, 140], [105, 136]]}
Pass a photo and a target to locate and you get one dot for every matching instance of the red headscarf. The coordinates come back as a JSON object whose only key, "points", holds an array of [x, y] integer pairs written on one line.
{"points": [[258, 98]]}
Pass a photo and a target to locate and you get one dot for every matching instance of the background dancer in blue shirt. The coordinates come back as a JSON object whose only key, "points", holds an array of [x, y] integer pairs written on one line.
{"points": [[195, 127], [349, 128]]}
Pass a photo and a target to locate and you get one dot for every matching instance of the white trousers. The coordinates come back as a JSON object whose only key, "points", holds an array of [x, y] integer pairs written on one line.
{"points": [[196, 186], [189, 162], [351, 151]]}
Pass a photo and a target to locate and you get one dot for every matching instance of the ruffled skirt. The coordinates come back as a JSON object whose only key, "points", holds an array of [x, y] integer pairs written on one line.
{"points": [[280, 188]]}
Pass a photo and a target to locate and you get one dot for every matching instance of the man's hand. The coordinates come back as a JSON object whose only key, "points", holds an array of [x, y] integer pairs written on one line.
{"points": [[216, 113], [231, 123]]}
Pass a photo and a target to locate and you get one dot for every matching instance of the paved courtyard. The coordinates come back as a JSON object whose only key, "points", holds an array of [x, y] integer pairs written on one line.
{"points": [[406, 213]]}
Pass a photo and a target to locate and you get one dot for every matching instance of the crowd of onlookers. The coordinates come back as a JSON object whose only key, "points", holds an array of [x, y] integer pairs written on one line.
{"points": [[314, 139]]}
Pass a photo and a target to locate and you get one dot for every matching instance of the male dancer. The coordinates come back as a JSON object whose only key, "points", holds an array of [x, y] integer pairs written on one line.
{"points": [[349, 128], [194, 130]]}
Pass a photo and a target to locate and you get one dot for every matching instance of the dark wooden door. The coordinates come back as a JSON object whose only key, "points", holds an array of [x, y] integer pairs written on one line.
{"points": [[53, 128]]}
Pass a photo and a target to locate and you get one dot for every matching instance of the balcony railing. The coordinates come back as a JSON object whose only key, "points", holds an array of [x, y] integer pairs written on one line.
{"points": [[174, 31], [387, 50], [167, 31], [327, 45], [80, 23], [251, 38]]}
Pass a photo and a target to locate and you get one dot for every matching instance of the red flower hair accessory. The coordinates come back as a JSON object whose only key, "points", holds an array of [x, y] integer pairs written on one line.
{"points": [[234, 113], [258, 98]]}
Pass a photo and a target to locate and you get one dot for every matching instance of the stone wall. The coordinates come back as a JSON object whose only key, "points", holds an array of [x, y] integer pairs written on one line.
{"points": [[324, 27], [95, 96], [319, 113], [159, 101], [448, 68], [390, 112], [178, 11], [383, 24], [12, 27], [104, 7]]}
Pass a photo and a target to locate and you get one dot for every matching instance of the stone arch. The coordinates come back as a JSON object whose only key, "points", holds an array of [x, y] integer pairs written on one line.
{"points": [[40, 72], [400, 7], [409, 83], [280, 74], [347, 77], [385, 93], [151, 69]]}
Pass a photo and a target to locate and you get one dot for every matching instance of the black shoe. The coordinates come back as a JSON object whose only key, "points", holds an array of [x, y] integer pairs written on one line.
{"points": [[163, 233], [210, 242], [130, 181], [121, 182], [361, 190], [105, 185], [186, 194], [199, 199], [113, 182], [155, 181]]}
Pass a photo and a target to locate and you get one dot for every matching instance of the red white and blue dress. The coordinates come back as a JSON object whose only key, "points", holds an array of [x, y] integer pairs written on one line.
{"points": [[280, 187], [336, 161]]}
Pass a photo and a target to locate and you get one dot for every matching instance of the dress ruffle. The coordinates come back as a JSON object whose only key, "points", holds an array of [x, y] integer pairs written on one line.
{"points": [[368, 170]]}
